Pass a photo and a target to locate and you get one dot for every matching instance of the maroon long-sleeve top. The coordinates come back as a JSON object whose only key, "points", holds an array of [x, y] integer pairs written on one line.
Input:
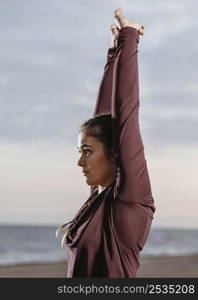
{"points": [[110, 233]]}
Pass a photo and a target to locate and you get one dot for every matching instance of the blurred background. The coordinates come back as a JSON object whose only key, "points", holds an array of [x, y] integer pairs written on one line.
{"points": [[52, 58]]}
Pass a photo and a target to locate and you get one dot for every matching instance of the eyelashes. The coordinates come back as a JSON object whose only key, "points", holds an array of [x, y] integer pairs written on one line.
{"points": [[86, 152]]}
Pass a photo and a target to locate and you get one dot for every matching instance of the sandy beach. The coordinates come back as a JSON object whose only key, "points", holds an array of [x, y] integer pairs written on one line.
{"points": [[162, 266]]}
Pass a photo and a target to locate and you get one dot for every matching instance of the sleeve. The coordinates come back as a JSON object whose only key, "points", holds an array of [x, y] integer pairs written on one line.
{"points": [[103, 102], [133, 206]]}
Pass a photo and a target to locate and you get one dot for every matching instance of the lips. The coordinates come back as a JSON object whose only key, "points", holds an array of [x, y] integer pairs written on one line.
{"points": [[85, 173]]}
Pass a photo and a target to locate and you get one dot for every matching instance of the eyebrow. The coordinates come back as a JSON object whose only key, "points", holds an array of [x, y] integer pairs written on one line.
{"points": [[84, 145]]}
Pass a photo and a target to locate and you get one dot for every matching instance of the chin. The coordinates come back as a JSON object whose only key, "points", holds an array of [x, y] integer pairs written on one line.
{"points": [[90, 182]]}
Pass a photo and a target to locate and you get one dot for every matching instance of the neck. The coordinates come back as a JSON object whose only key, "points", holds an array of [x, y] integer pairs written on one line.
{"points": [[102, 187]]}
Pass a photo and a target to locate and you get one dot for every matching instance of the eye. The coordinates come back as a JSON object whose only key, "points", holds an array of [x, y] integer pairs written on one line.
{"points": [[85, 151]]}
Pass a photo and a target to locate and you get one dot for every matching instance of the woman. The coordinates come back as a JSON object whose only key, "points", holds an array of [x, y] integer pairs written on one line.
{"points": [[107, 234]]}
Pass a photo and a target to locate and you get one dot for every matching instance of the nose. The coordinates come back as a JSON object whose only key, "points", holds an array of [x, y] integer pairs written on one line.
{"points": [[81, 162]]}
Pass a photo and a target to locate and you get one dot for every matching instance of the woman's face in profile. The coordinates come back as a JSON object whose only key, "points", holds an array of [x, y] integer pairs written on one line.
{"points": [[98, 169]]}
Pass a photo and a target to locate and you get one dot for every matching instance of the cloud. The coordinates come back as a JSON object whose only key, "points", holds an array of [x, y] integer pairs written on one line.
{"points": [[52, 59]]}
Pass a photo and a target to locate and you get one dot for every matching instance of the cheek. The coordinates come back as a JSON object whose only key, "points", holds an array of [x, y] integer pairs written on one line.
{"points": [[95, 160], [100, 163]]}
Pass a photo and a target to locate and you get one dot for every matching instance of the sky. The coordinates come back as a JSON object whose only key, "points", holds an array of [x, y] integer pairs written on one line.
{"points": [[52, 58]]}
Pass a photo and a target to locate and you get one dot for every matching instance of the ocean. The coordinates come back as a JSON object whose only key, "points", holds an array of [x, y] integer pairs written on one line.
{"points": [[38, 244]]}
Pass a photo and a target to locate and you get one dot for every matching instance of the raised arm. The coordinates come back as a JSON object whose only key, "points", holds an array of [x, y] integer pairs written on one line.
{"points": [[133, 184], [134, 204]]}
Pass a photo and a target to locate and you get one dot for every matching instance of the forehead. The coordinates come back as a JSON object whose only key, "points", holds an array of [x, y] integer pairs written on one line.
{"points": [[87, 141]]}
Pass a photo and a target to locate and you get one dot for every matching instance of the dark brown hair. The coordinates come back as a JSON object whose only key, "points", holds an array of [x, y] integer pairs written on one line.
{"points": [[99, 127]]}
